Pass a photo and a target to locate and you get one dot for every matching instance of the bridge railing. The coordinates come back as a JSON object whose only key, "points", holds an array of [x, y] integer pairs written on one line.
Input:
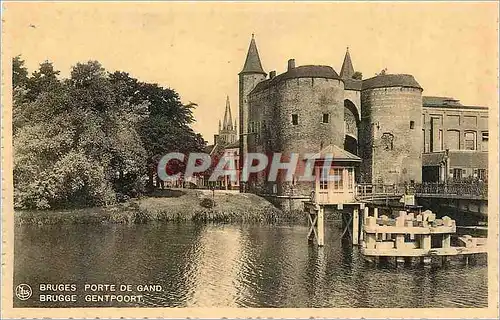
{"points": [[369, 189], [474, 189]]}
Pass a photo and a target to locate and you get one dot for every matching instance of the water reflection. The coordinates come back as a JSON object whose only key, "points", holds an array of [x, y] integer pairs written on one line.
{"points": [[233, 266]]}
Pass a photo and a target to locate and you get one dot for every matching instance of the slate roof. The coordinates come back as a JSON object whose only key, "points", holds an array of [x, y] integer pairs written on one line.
{"points": [[457, 158], [439, 101], [338, 154], [391, 80], [432, 159], [469, 159], [308, 71], [347, 69], [446, 102], [252, 62], [353, 84]]}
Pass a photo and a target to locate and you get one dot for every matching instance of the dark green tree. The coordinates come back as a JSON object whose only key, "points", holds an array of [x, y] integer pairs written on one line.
{"points": [[357, 75], [90, 139], [19, 72]]}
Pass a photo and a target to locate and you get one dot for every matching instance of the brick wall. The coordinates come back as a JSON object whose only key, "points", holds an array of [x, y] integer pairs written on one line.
{"points": [[270, 115], [391, 135], [447, 127]]}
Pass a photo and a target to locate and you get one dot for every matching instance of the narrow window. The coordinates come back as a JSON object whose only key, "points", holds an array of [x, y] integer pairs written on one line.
{"points": [[457, 174], [338, 182], [412, 124], [484, 141], [295, 119], [350, 177], [470, 141], [482, 174], [323, 181], [485, 136], [326, 117]]}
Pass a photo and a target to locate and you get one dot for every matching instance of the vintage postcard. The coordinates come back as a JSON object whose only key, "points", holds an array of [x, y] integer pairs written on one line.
{"points": [[250, 159]]}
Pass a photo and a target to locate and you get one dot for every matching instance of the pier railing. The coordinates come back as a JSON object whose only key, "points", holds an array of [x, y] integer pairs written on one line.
{"points": [[460, 189]]}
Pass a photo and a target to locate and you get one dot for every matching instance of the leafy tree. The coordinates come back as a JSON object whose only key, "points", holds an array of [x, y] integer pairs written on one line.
{"points": [[382, 72], [19, 72], [42, 80], [357, 75], [89, 139]]}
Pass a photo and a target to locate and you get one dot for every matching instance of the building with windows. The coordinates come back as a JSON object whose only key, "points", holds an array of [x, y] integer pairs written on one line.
{"points": [[455, 139], [382, 129]]}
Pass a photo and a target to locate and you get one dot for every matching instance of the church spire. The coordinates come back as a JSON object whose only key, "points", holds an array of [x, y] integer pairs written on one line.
{"points": [[228, 118], [347, 70], [252, 63]]}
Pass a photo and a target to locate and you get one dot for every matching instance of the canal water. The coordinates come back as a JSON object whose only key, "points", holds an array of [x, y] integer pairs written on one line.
{"points": [[204, 265]]}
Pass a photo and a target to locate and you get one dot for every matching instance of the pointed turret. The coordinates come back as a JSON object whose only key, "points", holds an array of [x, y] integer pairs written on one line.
{"points": [[252, 63], [347, 70], [249, 77], [228, 118]]}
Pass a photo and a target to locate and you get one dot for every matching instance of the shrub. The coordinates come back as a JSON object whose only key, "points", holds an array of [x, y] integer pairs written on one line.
{"points": [[207, 203]]}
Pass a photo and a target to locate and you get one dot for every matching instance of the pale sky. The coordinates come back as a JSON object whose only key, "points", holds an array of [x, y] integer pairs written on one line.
{"points": [[198, 49]]}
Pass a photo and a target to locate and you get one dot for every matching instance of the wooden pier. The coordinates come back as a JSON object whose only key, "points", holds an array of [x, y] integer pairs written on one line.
{"points": [[409, 235], [420, 235]]}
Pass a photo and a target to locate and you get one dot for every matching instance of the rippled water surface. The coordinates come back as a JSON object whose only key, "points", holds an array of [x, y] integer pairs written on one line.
{"points": [[232, 266]]}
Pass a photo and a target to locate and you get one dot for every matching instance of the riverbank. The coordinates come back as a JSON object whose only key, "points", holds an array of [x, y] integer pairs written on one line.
{"points": [[170, 205]]}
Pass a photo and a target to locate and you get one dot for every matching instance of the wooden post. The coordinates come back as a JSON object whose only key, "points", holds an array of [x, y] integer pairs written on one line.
{"points": [[313, 218], [321, 226], [408, 261], [425, 241], [355, 227], [446, 240], [375, 213], [363, 222], [370, 238]]}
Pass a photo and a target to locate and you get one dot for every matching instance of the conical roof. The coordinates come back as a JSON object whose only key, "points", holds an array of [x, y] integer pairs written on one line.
{"points": [[252, 63], [347, 70], [228, 118]]}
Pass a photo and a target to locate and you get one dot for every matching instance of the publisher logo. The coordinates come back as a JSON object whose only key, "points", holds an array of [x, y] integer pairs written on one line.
{"points": [[23, 292]]}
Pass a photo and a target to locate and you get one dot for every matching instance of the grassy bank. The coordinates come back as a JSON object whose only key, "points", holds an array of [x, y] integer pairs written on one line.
{"points": [[170, 205]]}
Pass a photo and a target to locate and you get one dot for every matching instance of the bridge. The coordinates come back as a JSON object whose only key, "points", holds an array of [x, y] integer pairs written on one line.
{"points": [[453, 190], [463, 201]]}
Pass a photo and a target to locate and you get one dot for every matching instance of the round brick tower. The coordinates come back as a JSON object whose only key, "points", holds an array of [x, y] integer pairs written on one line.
{"points": [[391, 129], [310, 108]]}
